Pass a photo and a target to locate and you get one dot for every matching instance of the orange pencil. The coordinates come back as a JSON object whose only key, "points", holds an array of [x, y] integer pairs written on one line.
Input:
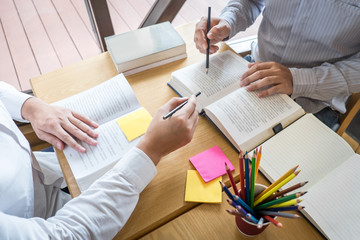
{"points": [[258, 158]]}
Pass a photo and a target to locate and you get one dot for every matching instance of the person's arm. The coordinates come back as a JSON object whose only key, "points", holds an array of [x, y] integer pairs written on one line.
{"points": [[235, 17], [103, 209]]}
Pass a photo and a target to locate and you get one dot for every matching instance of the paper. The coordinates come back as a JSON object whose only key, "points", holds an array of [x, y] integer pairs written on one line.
{"points": [[135, 124], [211, 163], [199, 191]]}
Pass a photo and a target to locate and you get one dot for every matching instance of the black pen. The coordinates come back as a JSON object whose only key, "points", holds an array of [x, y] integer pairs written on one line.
{"points": [[178, 107], [208, 40]]}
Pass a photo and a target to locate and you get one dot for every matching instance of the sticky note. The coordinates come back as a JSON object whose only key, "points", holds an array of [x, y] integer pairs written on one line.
{"points": [[135, 124], [211, 163], [198, 191]]}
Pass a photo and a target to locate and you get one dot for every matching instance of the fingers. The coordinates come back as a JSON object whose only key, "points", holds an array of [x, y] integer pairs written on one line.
{"points": [[190, 107], [172, 103], [50, 139], [200, 35], [85, 120], [253, 68], [83, 124], [78, 130]]}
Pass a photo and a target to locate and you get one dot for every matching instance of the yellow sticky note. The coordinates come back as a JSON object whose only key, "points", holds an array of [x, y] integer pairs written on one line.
{"points": [[135, 124], [199, 191]]}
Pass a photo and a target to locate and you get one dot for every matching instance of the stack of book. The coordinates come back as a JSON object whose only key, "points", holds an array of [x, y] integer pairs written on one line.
{"points": [[145, 48]]}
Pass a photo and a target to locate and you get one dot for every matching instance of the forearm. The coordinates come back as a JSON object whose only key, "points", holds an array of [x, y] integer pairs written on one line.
{"points": [[241, 14], [327, 80], [99, 212]]}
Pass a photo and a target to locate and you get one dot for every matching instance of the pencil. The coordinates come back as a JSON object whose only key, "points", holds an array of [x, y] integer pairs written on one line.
{"points": [[242, 179], [290, 208], [279, 214], [252, 189], [279, 200], [235, 213], [258, 158], [246, 207], [169, 114], [270, 219], [247, 179], [283, 192], [208, 40], [275, 188], [260, 223], [288, 173], [233, 184], [288, 203], [238, 208], [227, 191]]}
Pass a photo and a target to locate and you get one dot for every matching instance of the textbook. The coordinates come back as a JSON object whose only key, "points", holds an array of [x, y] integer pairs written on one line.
{"points": [[145, 48], [331, 168], [245, 119], [122, 121]]}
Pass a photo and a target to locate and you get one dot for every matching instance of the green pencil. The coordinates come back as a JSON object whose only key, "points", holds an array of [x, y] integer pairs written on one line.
{"points": [[279, 200]]}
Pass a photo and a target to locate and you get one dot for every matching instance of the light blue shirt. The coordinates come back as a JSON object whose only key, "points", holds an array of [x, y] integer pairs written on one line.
{"points": [[319, 41]]}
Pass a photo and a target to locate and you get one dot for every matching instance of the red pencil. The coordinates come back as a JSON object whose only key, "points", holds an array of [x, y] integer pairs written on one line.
{"points": [[242, 177], [270, 219], [233, 184]]}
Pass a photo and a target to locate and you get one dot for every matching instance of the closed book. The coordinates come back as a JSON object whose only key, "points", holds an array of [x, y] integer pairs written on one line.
{"points": [[145, 48]]}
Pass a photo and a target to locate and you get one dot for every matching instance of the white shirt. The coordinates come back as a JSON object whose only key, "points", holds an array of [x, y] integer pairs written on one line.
{"points": [[98, 213], [319, 41]]}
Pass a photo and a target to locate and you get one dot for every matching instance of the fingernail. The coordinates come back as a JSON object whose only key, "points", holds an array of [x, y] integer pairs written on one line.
{"points": [[204, 46], [82, 149], [59, 145], [210, 35], [93, 142]]}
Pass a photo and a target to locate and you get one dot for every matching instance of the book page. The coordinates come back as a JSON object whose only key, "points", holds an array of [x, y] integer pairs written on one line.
{"points": [[308, 143], [89, 166], [333, 202], [104, 102], [225, 71], [247, 120]]}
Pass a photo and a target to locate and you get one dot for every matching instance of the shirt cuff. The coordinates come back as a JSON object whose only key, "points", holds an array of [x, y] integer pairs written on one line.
{"points": [[139, 168], [304, 82]]}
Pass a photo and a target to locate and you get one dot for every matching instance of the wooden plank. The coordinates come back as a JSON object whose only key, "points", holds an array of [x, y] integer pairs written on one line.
{"points": [[81, 37], [21, 52], [81, 9], [141, 7], [188, 13], [201, 7], [120, 26], [7, 69], [127, 12], [40, 43], [59, 37]]}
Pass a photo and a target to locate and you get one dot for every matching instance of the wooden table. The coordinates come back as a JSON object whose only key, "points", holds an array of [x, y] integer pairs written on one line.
{"points": [[162, 201]]}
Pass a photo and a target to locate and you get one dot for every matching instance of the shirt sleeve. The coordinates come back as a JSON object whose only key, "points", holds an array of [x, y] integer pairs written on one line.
{"points": [[241, 14], [98, 213], [13, 100], [328, 82]]}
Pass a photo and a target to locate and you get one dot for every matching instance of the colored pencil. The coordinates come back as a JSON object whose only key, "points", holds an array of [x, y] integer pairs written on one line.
{"points": [[288, 203], [227, 191], [288, 173], [290, 208], [275, 188], [260, 223], [247, 179], [233, 212], [275, 222], [242, 179], [279, 200], [233, 184], [289, 189], [252, 188], [208, 41], [258, 158], [279, 214], [246, 207]]}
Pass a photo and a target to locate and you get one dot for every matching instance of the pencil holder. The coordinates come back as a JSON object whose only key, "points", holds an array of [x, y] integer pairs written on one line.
{"points": [[249, 228]]}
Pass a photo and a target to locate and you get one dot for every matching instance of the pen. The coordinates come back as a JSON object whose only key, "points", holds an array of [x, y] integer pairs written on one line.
{"points": [[208, 40], [169, 114]]}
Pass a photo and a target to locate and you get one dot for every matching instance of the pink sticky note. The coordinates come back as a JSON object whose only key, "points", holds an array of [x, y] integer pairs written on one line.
{"points": [[211, 163]]}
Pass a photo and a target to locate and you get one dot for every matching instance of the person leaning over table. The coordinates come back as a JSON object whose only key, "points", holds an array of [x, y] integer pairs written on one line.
{"points": [[31, 206], [307, 49]]}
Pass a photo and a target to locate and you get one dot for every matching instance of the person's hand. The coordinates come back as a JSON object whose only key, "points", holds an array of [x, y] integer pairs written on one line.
{"points": [[59, 126], [219, 30], [165, 136], [267, 77]]}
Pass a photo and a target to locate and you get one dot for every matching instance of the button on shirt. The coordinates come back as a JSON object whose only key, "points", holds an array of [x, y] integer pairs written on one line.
{"points": [[89, 216], [319, 41]]}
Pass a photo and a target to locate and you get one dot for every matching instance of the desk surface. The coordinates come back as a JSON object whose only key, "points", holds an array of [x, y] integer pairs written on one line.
{"points": [[163, 199]]}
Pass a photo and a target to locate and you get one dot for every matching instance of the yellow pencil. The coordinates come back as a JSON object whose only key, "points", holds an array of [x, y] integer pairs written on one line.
{"points": [[258, 158], [275, 188], [287, 203], [287, 174]]}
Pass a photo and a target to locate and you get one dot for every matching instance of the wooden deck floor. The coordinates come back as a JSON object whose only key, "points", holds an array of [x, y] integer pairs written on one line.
{"points": [[39, 36]]}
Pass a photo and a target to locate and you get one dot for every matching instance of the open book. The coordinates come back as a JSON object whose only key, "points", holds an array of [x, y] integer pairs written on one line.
{"points": [[329, 164], [106, 104], [244, 119]]}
